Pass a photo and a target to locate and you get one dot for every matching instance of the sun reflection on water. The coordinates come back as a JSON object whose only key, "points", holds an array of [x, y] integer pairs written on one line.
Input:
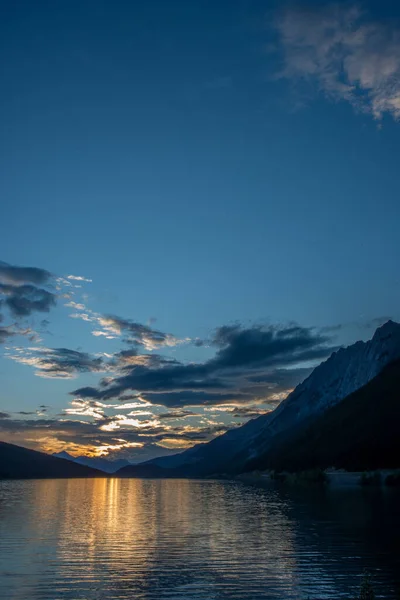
{"points": [[109, 539]]}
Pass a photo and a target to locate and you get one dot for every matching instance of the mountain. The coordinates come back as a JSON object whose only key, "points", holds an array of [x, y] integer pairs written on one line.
{"points": [[344, 372], [360, 433], [20, 463], [107, 466]]}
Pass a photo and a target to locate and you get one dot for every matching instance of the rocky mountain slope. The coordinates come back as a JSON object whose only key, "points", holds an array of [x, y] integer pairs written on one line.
{"points": [[360, 433]]}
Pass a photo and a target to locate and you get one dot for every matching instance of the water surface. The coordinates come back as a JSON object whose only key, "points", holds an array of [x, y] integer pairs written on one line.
{"points": [[104, 539]]}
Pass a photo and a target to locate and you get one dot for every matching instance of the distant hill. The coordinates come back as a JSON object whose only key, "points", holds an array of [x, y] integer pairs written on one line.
{"points": [[20, 463], [103, 464], [289, 437]]}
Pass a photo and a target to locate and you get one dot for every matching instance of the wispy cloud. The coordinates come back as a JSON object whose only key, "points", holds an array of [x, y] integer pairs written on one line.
{"points": [[58, 363], [345, 54], [136, 334]]}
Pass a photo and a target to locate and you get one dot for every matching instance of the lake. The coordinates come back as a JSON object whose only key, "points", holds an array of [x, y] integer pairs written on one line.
{"points": [[102, 539]]}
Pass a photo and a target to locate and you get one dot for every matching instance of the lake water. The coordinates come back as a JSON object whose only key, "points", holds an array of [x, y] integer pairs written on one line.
{"points": [[134, 539]]}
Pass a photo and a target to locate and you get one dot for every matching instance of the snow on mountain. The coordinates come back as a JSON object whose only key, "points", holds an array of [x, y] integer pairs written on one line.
{"points": [[344, 372]]}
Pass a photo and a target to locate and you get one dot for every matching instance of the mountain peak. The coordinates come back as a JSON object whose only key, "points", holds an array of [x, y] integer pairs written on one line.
{"points": [[388, 328], [64, 455]]}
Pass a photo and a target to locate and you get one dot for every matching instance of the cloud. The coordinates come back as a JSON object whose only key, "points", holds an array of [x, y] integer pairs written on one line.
{"points": [[85, 408], [25, 299], [78, 437], [135, 333], [58, 363], [79, 278], [345, 54], [177, 414], [248, 412], [5, 334], [76, 305], [20, 294], [14, 275], [266, 346], [135, 438], [250, 363], [195, 398]]}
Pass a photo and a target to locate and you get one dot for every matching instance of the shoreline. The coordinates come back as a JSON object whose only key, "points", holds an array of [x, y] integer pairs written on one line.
{"points": [[329, 477]]}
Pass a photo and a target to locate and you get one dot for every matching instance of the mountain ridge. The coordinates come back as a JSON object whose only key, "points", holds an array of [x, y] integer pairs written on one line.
{"points": [[100, 463]]}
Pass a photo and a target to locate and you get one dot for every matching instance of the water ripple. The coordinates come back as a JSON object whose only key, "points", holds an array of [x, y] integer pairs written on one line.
{"points": [[109, 539]]}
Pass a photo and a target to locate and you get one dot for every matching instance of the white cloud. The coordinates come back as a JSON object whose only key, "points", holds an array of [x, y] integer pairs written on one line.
{"points": [[79, 278], [84, 408], [76, 305], [346, 54]]}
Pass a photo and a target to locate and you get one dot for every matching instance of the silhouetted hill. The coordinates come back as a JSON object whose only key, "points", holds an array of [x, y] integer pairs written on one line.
{"points": [[20, 463], [100, 463]]}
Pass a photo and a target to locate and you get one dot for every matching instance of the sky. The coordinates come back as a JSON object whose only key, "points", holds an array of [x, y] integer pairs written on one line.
{"points": [[200, 203]]}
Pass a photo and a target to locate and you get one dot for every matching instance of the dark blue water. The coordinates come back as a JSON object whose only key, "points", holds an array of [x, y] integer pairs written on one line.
{"points": [[178, 539]]}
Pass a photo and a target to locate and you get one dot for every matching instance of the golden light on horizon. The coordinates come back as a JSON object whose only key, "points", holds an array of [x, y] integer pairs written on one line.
{"points": [[53, 445], [172, 443]]}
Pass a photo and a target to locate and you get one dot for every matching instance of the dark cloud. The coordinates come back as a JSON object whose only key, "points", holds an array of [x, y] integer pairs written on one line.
{"points": [[143, 379], [19, 275], [5, 334], [193, 398], [177, 414], [262, 352], [59, 362], [267, 346], [248, 412], [25, 299], [279, 379], [22, 291]]}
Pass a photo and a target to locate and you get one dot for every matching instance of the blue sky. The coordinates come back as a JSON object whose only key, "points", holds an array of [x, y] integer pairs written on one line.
{"points": [[203, 164]]}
